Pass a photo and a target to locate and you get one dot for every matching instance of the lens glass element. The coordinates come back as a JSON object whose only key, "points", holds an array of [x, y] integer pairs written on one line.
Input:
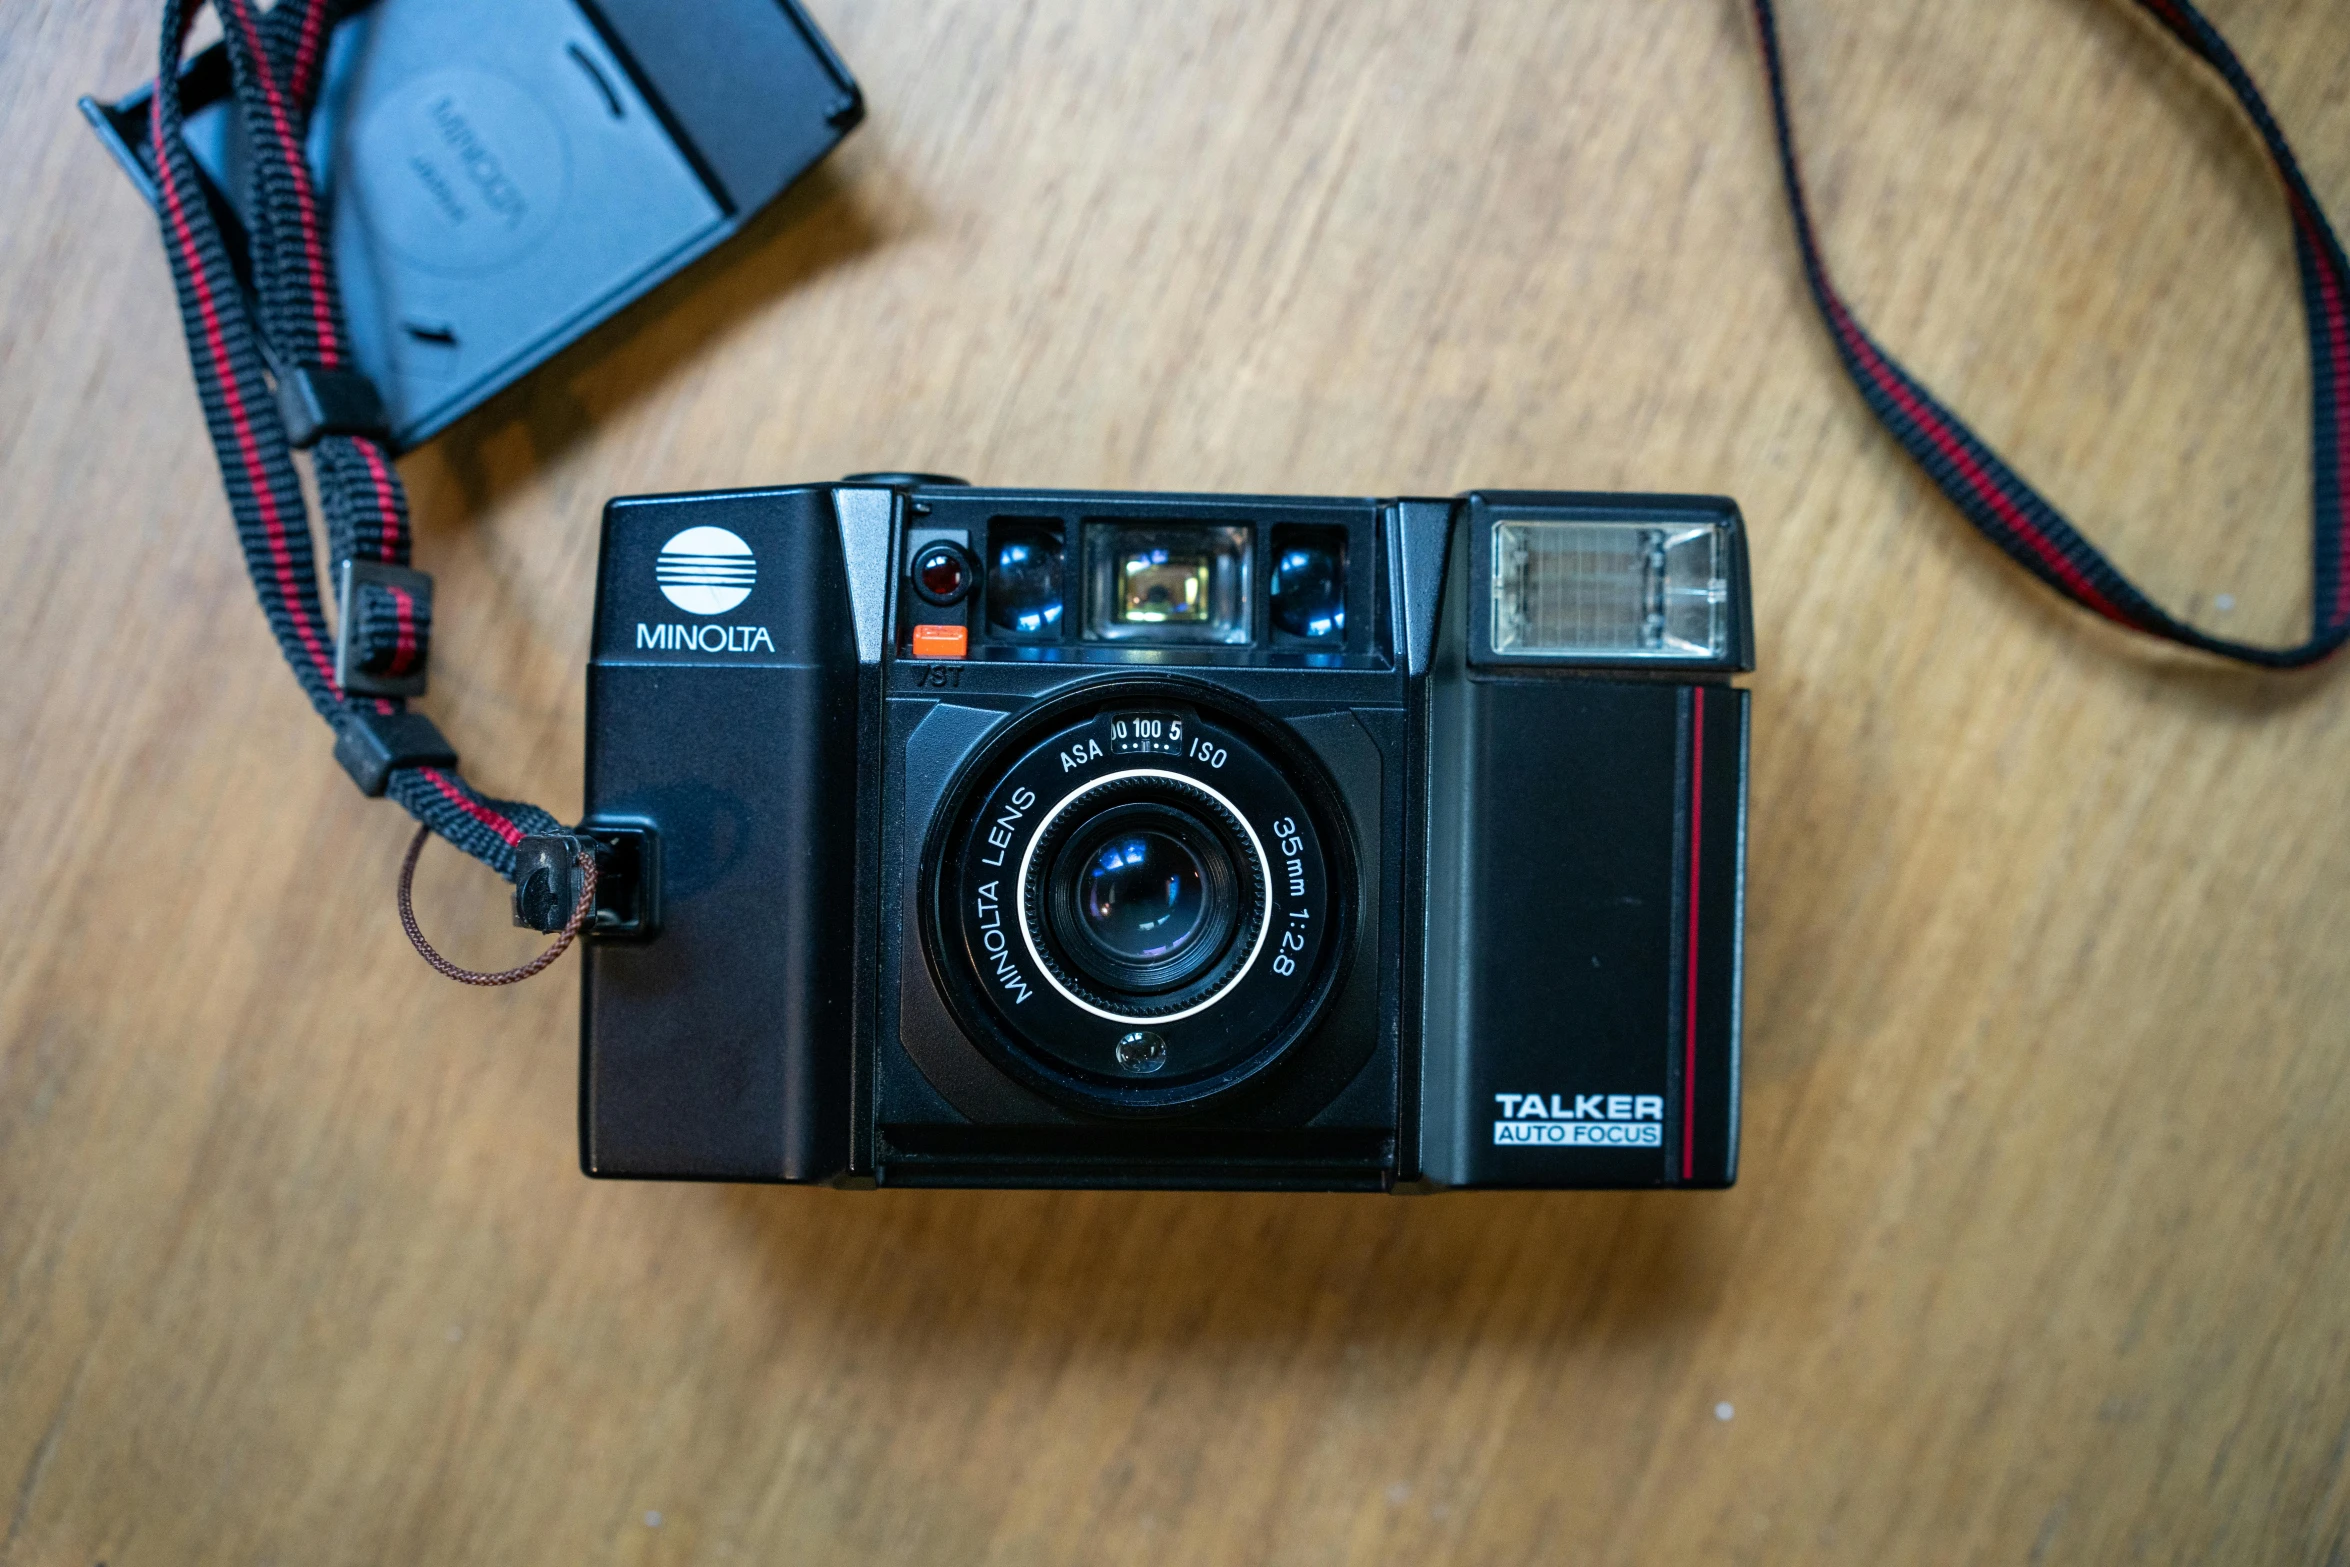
{"points": [[1138, 895], [1143, 896], [1024, 580]]}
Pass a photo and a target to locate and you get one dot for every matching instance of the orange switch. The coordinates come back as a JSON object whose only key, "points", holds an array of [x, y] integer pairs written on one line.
{"points": [[941, 641]]}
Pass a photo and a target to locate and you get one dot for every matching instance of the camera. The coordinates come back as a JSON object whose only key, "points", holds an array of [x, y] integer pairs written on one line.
{"points": [[996, 837]]}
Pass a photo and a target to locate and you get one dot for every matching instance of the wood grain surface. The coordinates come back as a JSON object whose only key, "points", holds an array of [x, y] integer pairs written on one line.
{"points": [[2041, 1250]]}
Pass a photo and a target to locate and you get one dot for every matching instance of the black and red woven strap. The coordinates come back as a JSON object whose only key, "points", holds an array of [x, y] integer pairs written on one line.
{"points": [[2014, 515], [277, 58]]}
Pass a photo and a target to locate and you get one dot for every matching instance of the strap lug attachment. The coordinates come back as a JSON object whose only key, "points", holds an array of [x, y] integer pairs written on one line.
{"points": [[628, 878]]}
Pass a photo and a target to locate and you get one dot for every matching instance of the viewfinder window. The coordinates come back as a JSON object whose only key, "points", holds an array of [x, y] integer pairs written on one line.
{"points": [[1167, 582]]}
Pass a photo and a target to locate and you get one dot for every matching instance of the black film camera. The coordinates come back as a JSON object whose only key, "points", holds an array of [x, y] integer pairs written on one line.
{"points": [[959, 836]]}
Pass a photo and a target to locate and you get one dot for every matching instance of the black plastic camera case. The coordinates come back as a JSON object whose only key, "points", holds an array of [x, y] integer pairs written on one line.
{"points": [[1015, 838], [503, 177]]}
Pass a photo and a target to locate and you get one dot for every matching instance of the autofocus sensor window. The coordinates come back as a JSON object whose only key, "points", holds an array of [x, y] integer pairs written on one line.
{"points": [[1309, 584], [1153, 582], [1024, 578]]}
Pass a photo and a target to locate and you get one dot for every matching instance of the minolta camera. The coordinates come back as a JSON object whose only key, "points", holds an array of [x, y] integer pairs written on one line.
{"points": [[974, 837]]}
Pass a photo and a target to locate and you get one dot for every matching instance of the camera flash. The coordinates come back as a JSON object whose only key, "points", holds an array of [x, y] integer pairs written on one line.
{"points": [[1628, 590]]}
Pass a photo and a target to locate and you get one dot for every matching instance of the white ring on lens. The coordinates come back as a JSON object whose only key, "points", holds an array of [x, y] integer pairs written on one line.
{"points": [[1264, 911]]}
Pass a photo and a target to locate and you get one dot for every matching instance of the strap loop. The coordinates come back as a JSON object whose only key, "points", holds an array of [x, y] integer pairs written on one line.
{"points": [[465, 976], [2015, 516], [373, 746], [383, 633]]}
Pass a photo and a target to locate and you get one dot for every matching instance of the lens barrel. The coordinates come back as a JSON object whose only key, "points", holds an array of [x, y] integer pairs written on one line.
{"points": [[1141, 898]]}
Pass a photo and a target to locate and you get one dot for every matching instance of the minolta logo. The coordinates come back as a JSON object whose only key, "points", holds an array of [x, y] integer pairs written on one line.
{"points": [[703, 639], [1579, 1121], [479, 163], [706, 571]]}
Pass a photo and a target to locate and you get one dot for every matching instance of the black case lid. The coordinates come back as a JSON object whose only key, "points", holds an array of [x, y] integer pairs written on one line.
{"points": [[504, 177]]}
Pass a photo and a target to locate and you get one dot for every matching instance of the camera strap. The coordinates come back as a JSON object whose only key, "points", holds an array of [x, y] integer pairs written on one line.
{"points": [[302, 390], [2003, 505], [288, 382]]}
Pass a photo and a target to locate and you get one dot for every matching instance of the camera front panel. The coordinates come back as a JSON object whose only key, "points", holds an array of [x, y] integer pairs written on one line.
{"points": [[1585, 866], [1144, 911]]}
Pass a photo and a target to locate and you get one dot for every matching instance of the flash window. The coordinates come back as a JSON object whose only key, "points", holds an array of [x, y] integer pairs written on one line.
{"points": [[1634, 591]]}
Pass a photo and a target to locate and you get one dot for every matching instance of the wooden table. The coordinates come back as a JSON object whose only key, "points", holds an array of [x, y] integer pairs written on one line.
{"points": [[2042, 1241]]}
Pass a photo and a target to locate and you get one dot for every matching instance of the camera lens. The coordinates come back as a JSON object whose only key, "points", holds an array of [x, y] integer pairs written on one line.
{"points": [[942, 574], [1024, 583], [1142, 896], [1309, 592]]}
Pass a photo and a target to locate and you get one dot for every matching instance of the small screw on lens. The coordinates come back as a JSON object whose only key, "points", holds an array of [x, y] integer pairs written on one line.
{"points": [[943, 574], [1142, 1052]]}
